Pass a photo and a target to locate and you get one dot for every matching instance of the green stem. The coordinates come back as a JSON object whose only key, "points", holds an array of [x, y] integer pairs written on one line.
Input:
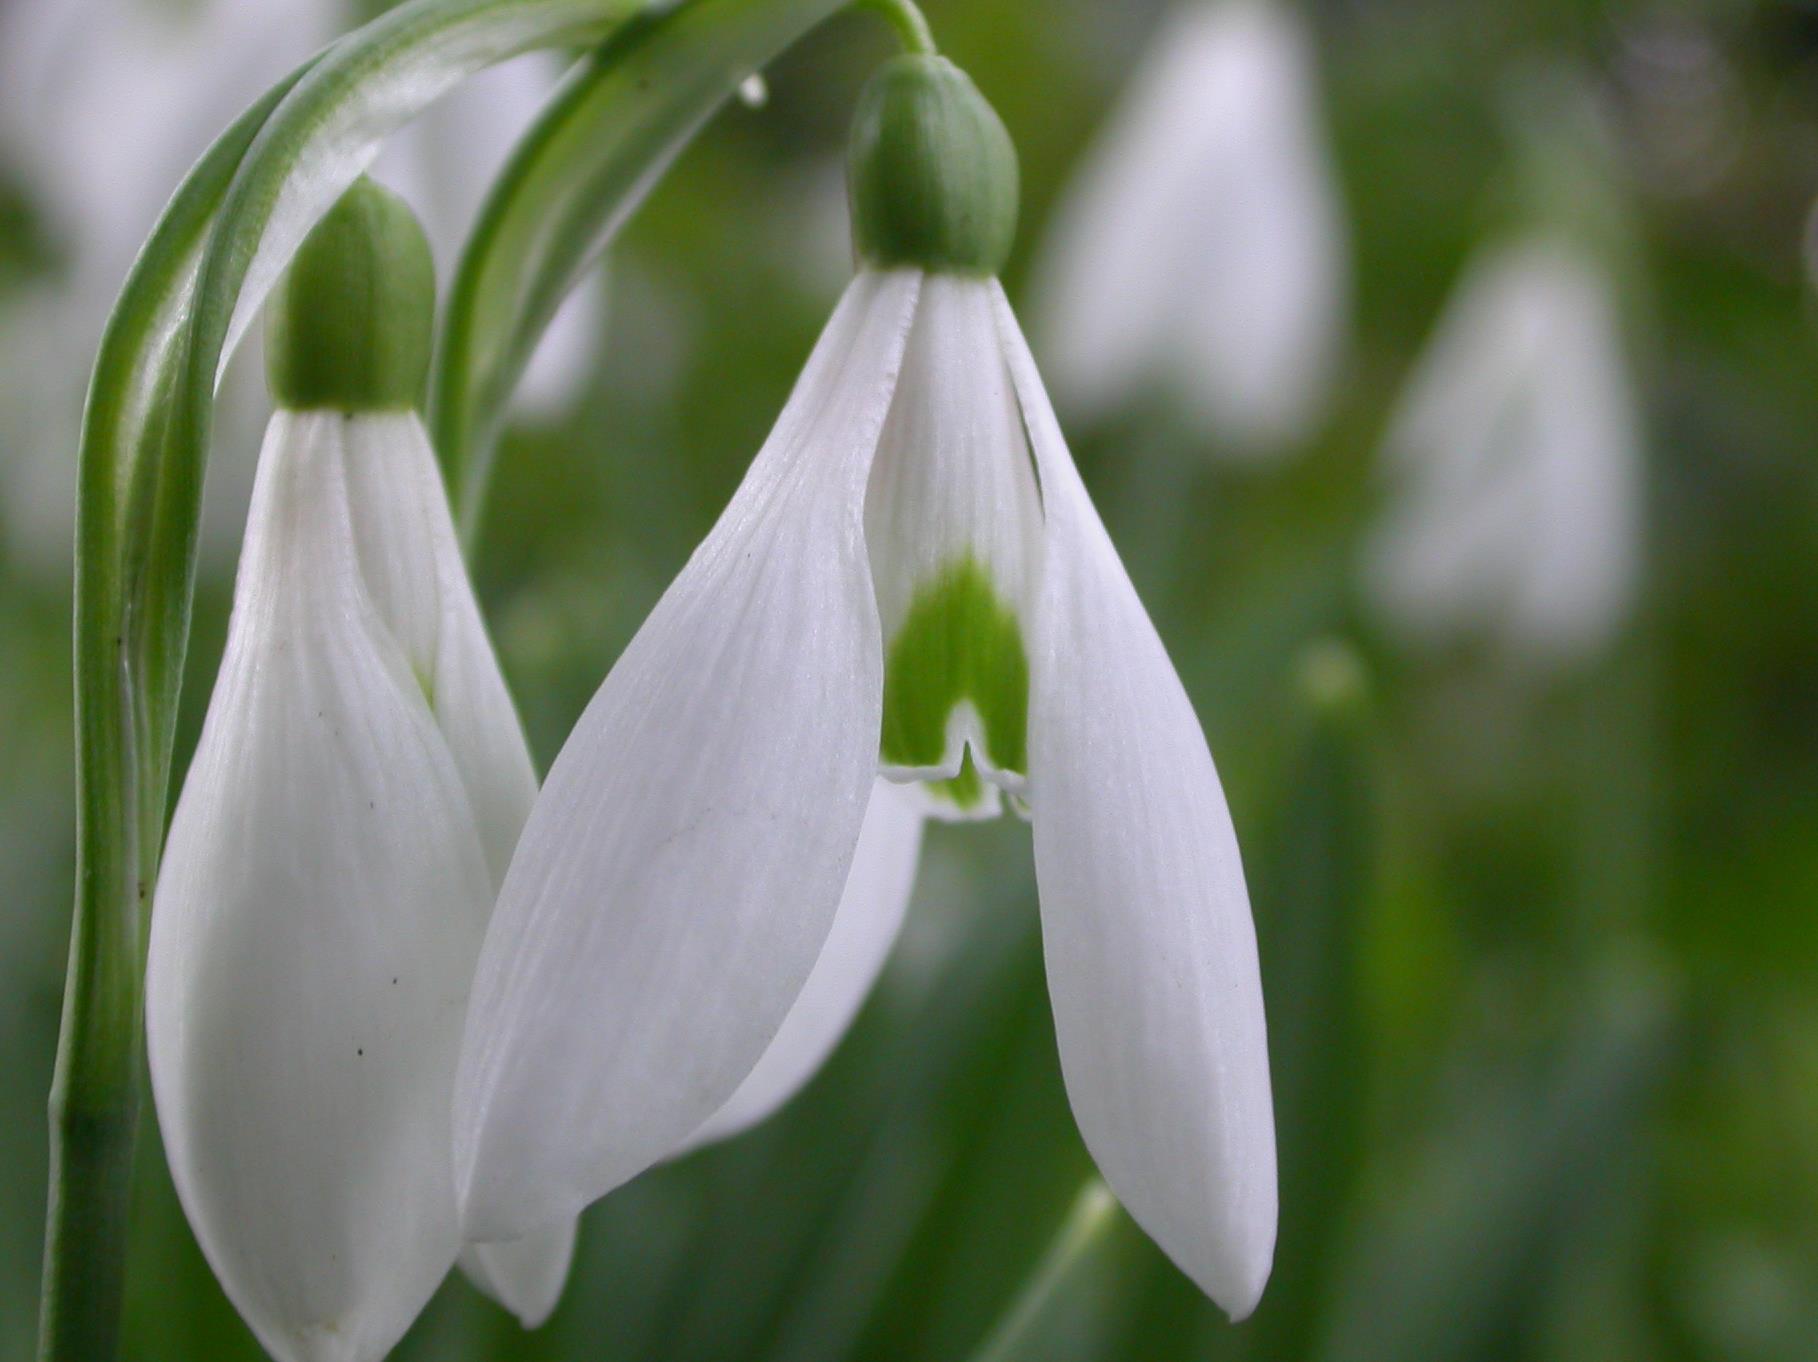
{"points": [[910, 23], [1094, 1213], [94, 1103], [578, 175]]}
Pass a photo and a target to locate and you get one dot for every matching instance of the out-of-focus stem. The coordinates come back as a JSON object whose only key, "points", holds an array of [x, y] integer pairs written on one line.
{"points": [[910, 23], [1094, 1212]]}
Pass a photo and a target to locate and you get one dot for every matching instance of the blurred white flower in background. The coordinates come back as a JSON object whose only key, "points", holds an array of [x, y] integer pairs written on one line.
{"points": [[1515, 462], [104, 106], [1202, 248]]}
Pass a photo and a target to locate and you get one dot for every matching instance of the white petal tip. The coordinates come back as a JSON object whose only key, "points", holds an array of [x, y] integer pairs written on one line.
{"points": [[525, 1276]]}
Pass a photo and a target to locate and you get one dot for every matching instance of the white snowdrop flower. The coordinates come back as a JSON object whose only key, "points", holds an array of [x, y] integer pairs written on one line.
{"points": [[911, 580], [352, 805], [1515, 463], [1201, 249]]}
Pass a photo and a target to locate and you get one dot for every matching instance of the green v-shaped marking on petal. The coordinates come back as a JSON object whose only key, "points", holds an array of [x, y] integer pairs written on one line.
{"points": [[958, 643]]}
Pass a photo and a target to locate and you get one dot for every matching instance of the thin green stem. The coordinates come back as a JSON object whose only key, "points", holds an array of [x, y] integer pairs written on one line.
{"points": [[577, 177], [911, 25], [1094, 1212]]}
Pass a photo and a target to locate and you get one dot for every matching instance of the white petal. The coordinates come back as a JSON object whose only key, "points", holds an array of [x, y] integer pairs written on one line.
{"points": [[1145, 920], [679, 873], [865, 927], [953, 478], [524, 1275], [411, 561], [412, 564], [322, 900]]}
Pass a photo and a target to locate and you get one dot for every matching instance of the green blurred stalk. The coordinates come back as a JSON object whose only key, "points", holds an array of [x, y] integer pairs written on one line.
{"points": [[1093, 1214], [1310, 902]]}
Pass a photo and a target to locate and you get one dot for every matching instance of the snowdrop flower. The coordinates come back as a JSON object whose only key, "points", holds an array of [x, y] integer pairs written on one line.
{"points": [[1515, 459], [1202, 246], [353, 803], [912, 580]]}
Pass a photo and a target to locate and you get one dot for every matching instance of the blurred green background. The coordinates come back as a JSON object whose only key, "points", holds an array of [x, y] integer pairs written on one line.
{"points": [[1540, 946]]}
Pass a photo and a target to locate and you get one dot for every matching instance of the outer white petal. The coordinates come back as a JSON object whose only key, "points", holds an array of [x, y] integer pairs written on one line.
{"points": [[866, 926], [1145, 920], [679, 873], [524, 1275], [321, 903]]}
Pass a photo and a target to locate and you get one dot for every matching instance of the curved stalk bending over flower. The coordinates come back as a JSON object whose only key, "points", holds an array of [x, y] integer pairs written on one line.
{"points": [[911, 579], [353, 803]]}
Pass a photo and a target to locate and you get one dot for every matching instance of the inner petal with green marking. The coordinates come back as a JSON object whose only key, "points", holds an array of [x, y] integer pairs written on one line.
{"points": [[953, 523], [956, 690]]}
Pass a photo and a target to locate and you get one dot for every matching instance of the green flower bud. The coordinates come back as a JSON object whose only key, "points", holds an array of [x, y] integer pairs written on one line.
{"points": [[351, 323], [933, 173]]}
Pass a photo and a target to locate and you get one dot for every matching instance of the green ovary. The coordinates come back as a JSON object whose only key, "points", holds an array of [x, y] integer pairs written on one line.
{"points": [[959, 643]]}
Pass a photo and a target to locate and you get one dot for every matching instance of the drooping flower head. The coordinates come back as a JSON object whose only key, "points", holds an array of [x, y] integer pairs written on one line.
{"points": [[352, 805], [911, 581], [1515, 457], [1200, 253]]}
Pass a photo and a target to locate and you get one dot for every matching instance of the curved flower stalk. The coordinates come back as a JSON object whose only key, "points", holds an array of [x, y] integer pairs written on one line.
{"points": [[1515, 459], [912, 580], [354, 799], [104, 104], [1202, 247], [445, 162]]}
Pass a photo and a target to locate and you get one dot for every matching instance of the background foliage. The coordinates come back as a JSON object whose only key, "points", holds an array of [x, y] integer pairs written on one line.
{"points": [[1541, 950]]}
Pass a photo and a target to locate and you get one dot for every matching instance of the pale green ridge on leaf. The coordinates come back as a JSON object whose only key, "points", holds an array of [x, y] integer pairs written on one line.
{"points": [[959, 643]]}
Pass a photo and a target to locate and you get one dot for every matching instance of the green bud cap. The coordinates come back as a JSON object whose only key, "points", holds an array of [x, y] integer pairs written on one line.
{"points": [[932, 171], [351, 323]]}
